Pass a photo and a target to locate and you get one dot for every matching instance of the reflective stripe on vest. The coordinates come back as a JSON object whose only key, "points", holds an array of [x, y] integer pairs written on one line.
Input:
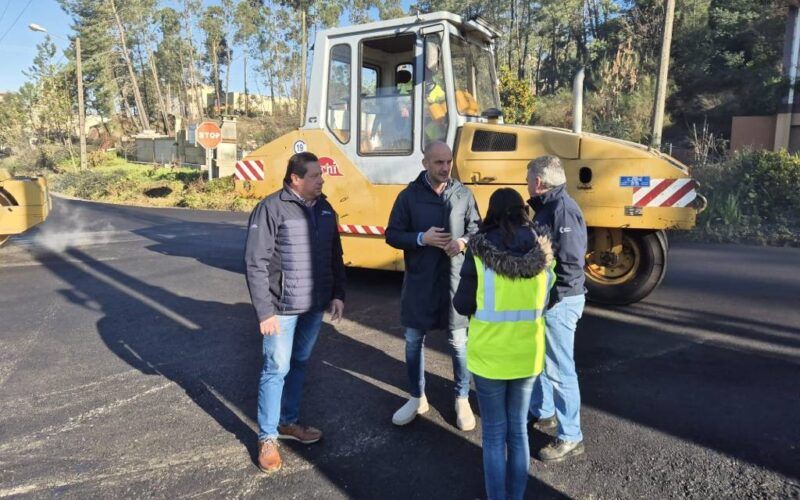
{"points": [[506, 333], [488, 312]]}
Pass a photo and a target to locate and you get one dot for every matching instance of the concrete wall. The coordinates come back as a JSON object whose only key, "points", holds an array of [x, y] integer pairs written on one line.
{"points": [[164, 150], [188, 153], [157, 149]]}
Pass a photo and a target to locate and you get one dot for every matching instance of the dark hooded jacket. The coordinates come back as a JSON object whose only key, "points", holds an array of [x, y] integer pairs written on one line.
{"points": [[431, 277], [524, 256]]}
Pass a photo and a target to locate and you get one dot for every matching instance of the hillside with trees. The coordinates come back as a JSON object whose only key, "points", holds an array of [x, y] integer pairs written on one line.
{"points": [[145, 61], [149, 64]]}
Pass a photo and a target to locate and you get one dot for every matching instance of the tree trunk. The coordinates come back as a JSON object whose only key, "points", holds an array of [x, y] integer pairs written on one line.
{"points": [[143, 73], [215, 69], [511, 38], [161, 104], [145, 123], [228, 82], [192, 66], [524, 59], [183, 91], [271, 78], [538, 73]]}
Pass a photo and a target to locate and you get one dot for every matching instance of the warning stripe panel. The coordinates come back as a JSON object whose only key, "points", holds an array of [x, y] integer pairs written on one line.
{"points": [[646, 195], [665, 193], [359, 229], [250, 170], [679, 194]]}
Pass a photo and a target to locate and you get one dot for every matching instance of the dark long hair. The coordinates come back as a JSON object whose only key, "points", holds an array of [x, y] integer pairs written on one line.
{"points": [[507, 212]]}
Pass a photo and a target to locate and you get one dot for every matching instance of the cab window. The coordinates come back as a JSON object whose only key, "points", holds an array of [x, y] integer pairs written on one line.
{"points": [[386, 99], [338, 112], [435, 113], [473, 77]]}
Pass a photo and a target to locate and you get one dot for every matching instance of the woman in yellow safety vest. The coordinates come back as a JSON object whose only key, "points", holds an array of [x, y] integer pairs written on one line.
{"points": [[505, 284]]}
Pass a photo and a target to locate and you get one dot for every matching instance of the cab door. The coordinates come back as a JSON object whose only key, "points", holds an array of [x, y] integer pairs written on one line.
{"points": [[386, 150]]}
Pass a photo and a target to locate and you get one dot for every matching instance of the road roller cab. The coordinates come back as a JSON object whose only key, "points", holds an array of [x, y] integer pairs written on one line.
{"points": [[381, 91], [24, 202]]}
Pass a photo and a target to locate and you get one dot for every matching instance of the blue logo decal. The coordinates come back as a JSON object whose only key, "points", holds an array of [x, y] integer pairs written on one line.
{"points": [[634, 181]]}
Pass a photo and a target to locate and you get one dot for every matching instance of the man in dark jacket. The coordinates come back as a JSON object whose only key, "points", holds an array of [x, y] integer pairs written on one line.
{"points": [[431, 221], [295, 272], [556, 397]]}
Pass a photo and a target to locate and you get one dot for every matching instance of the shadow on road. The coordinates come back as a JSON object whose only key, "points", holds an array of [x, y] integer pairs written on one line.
{"points": [[735, 401], [210, 349], [738, 402]]}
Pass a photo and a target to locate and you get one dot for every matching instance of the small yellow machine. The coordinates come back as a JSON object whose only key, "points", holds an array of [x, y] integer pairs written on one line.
{"points": [[24, 202], [380, 92]]}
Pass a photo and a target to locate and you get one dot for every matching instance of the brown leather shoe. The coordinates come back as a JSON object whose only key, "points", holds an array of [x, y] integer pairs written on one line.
{"points": [[269, 460], [302, 433]]}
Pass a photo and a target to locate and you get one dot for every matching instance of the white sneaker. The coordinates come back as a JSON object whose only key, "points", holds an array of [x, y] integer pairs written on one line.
{"points": [[409, 411], [465, 419]]}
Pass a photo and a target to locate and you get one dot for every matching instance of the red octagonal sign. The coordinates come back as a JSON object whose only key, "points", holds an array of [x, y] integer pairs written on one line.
{"points": [[209, 135]]}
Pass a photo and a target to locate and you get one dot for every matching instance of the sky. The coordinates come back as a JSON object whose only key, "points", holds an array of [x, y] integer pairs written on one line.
{"points": [[18, 43]]}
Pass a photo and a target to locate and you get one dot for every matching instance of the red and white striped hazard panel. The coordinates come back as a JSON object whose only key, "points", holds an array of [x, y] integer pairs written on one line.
{"points": [[665, 193], [358, 229], [250, 170]]}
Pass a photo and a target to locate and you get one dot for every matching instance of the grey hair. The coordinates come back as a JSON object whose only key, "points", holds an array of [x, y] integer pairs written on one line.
{"points": [[549, 170]]}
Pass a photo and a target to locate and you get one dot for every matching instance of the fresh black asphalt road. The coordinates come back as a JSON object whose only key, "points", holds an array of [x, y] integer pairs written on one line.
{"points": [[129, 360]]}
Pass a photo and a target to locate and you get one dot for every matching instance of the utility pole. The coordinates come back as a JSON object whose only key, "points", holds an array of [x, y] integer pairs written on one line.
{"points": [[791, 61], [663, 71], [246, 96], [81, 108]]}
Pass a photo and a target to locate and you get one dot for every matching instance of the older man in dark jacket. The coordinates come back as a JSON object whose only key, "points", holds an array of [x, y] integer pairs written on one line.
{"points": [[556, 400], [295, 271], [431, 221]]}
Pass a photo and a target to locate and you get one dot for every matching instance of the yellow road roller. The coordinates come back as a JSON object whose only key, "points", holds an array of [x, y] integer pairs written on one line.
{"points": [[379, 92], [24, 202]]}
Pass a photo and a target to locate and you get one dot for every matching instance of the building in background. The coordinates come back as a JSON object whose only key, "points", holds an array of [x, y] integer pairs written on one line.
{"points": [[781, 131], [239, 103]]}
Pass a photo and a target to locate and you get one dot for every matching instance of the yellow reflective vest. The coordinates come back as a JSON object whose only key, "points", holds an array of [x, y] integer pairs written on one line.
{"points": [[506, 333]]}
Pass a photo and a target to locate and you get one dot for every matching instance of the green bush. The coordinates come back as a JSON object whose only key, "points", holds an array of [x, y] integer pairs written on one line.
{"points": [[627, 117], [88, 184], [517, 98], [752, 197], [555, 110]]}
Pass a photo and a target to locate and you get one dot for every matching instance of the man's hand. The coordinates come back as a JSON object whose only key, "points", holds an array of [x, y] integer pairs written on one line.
{"points": [[436, 237], [336, 309], [454, 248], [270, 326]]}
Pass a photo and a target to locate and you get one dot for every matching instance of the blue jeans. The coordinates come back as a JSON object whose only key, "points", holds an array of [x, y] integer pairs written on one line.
{"points": [[285, 359], [506, 455], [415, 361], [556, 392]]}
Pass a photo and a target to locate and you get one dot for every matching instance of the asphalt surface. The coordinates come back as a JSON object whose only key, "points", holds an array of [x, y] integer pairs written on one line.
{"points": [[129, 360]]}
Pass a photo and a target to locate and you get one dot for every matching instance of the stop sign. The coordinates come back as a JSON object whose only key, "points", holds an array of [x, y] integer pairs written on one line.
{"points": [[209, 135]]}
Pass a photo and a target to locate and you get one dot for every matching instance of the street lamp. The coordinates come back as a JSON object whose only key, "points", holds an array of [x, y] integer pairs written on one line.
{"points": [[81, 108]]}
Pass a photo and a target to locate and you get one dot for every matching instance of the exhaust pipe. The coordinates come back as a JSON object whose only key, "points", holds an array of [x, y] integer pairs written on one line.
{"points": [[577, 103]]}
